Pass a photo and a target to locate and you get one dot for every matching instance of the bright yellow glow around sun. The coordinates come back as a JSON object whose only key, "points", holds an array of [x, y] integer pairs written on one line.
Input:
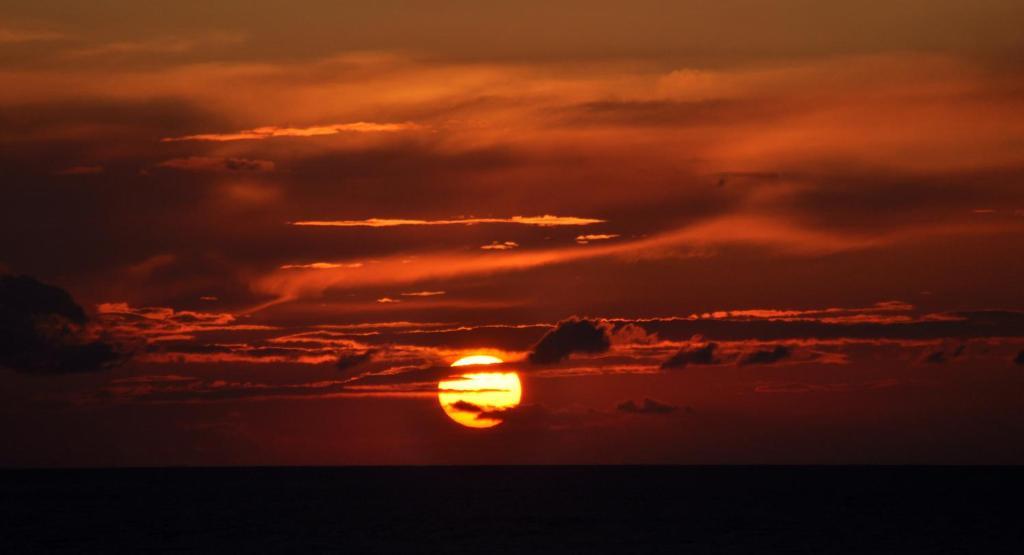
{"points": [[467, 397]]}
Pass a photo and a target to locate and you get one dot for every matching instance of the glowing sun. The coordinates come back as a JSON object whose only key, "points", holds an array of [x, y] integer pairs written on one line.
{"points": [[470, 399], [473, 360]]}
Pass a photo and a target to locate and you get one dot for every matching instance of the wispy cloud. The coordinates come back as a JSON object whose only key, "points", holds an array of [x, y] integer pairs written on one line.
{"points": [[382, 325], [423, 293], [155, 322], [584, 239], [496, 246], [547, 220], [399, 269], [322, 266], [687, 241], [879, 313], [212, 163], [270, 132]]}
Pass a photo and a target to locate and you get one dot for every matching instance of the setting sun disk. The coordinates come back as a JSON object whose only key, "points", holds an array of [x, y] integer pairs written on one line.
{"points": [[477, 359]]}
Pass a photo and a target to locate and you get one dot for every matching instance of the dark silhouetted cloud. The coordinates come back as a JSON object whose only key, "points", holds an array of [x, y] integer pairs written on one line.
{"points": [[350, 361], [943, 354], [43, 331], [1020, 358], [705, 354], [648, 406], [767, 356], [211, 163], [574, 335], [466, 406], [961, 325]]}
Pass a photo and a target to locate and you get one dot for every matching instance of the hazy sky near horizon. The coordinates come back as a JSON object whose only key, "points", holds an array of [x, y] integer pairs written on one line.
{"points": [[709, 232]]}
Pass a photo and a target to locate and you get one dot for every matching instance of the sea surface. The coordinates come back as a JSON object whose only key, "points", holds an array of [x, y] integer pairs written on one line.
{"points": [[518, 509]]}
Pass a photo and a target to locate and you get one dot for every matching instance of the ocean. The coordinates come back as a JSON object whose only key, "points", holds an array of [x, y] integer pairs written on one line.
{"points": [[515, 509]]}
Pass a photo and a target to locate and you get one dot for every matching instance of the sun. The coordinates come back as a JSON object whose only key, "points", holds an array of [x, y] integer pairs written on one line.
{"points": [[477, 359], [472, 399]]}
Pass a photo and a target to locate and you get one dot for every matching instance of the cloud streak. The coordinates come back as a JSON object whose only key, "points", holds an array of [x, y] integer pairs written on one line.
{"points": [[584, 239], [779, 235], [496, 246], [211, 163], [271, 132], [547, 220], [321, 266]]}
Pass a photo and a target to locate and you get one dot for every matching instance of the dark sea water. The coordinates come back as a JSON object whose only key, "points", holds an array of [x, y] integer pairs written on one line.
{"points": [[562, 509]]}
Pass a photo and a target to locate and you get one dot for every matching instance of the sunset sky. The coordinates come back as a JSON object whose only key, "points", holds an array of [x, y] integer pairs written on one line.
{"points": [[697, 232]]}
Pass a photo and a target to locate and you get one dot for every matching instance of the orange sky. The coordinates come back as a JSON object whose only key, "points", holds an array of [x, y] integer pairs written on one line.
{"points": [[787, 224]]}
